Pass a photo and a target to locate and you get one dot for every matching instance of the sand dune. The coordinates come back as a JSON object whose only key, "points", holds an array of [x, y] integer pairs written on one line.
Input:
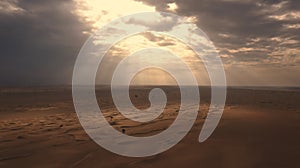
{"points": [[259, 128]]}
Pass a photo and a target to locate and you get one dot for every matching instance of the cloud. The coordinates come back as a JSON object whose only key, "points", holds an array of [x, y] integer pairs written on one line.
{"points": [[10, 6], [40, 39], [39, 42], [159, 40], [234, 24], [99, 12], [157, 22], [249, 33]]}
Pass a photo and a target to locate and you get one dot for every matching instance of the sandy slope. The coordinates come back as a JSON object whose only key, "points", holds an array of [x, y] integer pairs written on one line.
{"points": [[259, 128]]}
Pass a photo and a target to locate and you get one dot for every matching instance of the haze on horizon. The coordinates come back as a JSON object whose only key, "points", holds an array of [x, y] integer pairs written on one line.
{"points": [[258, 41]]}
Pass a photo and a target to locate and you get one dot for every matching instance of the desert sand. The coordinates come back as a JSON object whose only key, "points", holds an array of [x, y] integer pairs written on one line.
{"points": [[260, 127]]}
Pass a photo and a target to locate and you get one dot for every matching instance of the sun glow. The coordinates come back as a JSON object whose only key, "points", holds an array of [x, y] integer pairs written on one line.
{"points": [[172, 7], [136, 43], [99, 12]]}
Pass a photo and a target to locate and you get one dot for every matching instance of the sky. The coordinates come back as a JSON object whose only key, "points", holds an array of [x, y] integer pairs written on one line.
{"points": [[258, 40]]}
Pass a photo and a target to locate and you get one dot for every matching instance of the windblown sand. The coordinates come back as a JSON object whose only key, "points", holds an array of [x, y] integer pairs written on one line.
{"points": [[259, 128]]}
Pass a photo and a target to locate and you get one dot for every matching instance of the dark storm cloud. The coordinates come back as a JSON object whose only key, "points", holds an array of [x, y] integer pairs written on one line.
{"points": [[39, 41], [235, 24]]}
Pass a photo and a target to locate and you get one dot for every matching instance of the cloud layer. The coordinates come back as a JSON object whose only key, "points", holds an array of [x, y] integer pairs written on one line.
{"points": [[259, 38], [262, 37], [39, 41], [243, 28]]}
